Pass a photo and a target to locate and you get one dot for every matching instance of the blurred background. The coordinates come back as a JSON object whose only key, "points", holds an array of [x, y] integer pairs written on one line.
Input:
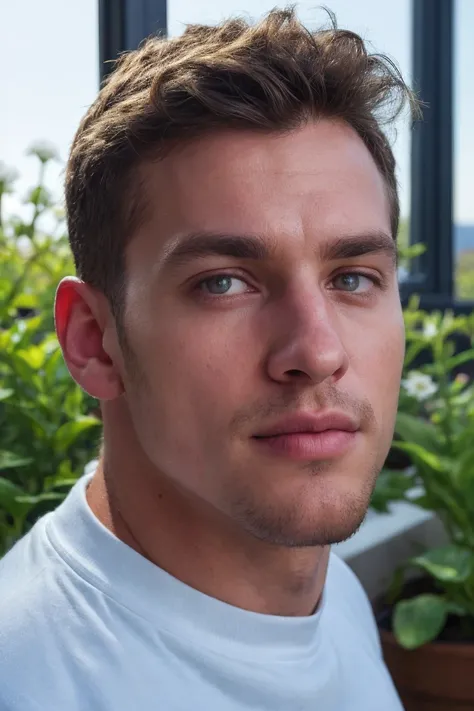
{"points": [[415, 552]]}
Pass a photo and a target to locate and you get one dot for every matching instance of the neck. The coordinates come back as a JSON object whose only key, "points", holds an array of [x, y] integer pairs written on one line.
{"points": [[201, 548]]}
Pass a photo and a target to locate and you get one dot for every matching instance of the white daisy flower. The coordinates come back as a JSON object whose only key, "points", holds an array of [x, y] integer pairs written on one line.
{"points": [[430, 329], [44, 150], [8, 175], [419, 385]]}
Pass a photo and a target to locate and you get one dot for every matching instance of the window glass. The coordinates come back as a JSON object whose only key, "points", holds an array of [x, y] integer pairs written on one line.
{"points": [[464, 150], [50, 75], [386, 27]]}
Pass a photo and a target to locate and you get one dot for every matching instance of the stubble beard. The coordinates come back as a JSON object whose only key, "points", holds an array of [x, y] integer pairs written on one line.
{"points": [[334, 517]]}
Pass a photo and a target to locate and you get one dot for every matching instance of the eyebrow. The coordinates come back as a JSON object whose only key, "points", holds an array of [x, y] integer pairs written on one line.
{"points": [[205, 244], [256, 248], [351, 247]]}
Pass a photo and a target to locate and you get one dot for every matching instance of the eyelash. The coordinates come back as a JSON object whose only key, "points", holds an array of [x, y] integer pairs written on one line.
{"points": [[377, 281]]}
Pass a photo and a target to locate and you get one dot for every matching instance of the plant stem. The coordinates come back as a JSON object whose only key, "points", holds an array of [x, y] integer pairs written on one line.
{"points": [[36, 212]]}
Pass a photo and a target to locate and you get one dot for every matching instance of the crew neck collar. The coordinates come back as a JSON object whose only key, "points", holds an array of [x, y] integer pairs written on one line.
{"points": [[133, 581]]}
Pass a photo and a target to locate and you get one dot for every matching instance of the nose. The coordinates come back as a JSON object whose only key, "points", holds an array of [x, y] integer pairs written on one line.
{"points": [[308, 344]]}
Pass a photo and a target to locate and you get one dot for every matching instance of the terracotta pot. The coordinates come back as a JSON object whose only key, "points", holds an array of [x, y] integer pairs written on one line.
{"points": [[436, 677]]}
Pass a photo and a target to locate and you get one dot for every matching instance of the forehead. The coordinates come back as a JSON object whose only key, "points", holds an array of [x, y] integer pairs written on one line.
{"points": [[315, 182]]}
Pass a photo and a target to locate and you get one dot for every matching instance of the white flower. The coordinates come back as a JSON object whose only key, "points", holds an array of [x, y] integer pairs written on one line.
{"points": [[44, 150], [430, 329], [24, 247], [7, 175], [419, 385]]}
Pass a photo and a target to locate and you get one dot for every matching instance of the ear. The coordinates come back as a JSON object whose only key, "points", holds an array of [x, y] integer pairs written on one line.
{"points": [[82, 315]]}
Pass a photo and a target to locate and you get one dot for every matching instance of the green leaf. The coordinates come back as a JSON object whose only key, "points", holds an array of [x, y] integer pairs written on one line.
{"points": [[457, 360], [73, 401], [69, 432], [419, 620], [5, 393], [29, 421], [424, 501], [45, 496], [455, 608], [463, 469], [8, 497], [25, 301], [414, 349], [55, 369], [396, 585], [10, 460], [413, 250], [34, 356], [33, 325], [418, 453], [418, 431], [450, 563], [65, 472], [39, 196]]}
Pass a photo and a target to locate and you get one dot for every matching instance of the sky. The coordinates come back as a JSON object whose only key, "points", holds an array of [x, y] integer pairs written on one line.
{"points": [[49, 73]]}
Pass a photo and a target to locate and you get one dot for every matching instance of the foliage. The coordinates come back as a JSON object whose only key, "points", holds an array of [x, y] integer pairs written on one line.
{"points": [[465, 275], [435, 429], [47, 430]]}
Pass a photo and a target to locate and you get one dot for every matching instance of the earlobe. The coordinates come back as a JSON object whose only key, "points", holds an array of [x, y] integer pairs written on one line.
{"points": [[79, 322]]}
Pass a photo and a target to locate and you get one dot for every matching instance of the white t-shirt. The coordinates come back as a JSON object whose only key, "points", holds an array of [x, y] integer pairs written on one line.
{"points": [[88, 624]]}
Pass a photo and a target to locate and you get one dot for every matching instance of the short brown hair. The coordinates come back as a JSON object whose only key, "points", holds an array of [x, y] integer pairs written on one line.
{"points": [[271, 76]]}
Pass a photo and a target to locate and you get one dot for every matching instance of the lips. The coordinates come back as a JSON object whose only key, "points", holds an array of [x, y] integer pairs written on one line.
{"points": [[307, 423], [309, 437]]}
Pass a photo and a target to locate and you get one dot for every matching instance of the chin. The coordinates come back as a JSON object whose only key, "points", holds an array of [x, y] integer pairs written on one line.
{"points": [[316, 520]]}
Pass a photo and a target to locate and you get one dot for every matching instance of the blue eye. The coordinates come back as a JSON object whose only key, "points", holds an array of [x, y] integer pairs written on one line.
{"points": [[223, 285], [353, 282]]}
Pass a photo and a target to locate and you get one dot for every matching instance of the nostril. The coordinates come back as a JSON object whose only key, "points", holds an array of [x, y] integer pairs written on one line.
{"points": [[296, 372]]}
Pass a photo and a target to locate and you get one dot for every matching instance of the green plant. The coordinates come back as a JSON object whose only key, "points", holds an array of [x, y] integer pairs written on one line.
{"points": [[48, 431], [464, 275], [435, 429]]}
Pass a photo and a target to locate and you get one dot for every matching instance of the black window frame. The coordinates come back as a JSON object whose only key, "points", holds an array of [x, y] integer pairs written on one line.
{"points": [[124, 23], [431, 215]]}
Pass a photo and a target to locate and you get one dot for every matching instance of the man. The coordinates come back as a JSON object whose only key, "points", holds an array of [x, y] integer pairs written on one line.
{"points": [[232, 212]]}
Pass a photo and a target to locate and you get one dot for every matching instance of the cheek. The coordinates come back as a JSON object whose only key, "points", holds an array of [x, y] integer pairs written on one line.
{"points": [[380, 362], [195, 379], [195, 375]]}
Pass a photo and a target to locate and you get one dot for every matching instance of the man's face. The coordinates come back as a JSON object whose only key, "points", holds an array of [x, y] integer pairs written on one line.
{"points": [[261, 288]]}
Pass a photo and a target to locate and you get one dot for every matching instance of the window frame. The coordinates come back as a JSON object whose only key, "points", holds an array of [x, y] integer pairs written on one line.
{"points": [[431, 218], [123, 24]]}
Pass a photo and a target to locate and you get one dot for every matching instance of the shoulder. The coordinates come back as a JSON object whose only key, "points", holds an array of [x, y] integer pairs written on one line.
{"points": [[346, 597], [20, 569], [34, 610], [26, 574]]}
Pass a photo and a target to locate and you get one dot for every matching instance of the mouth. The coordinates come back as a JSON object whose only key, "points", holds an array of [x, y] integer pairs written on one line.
{"points": [[305, 437]]}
